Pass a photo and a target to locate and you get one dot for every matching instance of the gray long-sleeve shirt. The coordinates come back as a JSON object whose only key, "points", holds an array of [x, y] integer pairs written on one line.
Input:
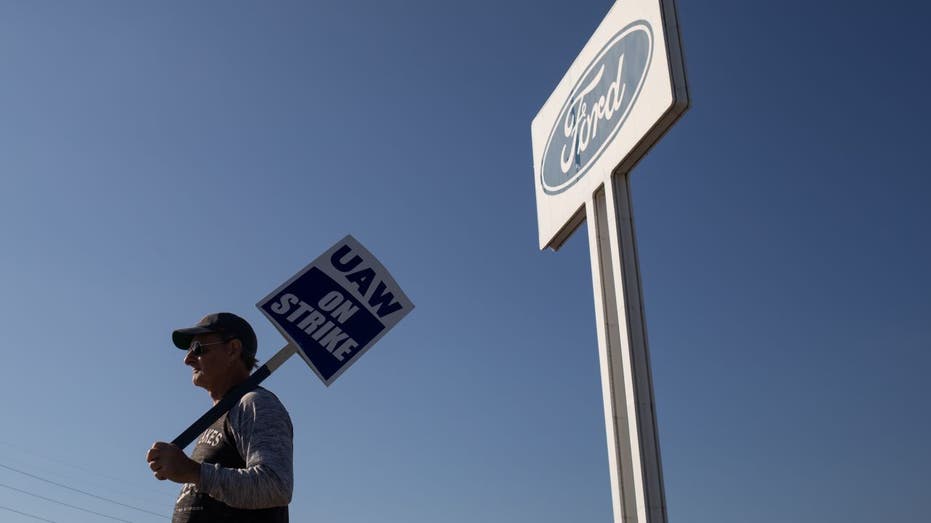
{"points": [[262, 433]]}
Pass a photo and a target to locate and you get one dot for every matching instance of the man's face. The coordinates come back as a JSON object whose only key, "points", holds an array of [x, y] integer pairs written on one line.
{"points": [[212, 366]]}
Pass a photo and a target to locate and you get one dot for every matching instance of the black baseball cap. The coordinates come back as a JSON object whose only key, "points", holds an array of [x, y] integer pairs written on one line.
{"points": [[225, 324]]}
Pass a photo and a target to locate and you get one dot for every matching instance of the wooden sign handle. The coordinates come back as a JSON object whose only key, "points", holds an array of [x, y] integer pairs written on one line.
{"points": [[232, 397]]}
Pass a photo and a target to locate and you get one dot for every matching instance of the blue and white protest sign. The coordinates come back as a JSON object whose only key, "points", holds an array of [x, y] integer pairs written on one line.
{"points": [[337, 307], [331, 312]]}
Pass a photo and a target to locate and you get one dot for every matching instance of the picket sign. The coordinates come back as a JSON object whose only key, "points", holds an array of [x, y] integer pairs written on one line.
{"points": [[331, 312]]}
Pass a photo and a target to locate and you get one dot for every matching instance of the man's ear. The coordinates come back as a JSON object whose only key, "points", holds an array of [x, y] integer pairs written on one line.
{"points": [[236, 345]]}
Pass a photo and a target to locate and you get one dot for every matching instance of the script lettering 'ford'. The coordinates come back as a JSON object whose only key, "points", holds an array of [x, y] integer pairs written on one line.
{"points": [[598, 105]]}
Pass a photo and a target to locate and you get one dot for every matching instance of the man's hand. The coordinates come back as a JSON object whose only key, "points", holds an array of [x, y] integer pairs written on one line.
{"points": [[169, 462]]}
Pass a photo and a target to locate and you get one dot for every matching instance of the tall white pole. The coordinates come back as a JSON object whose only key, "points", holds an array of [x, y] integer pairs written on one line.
{"points": [[627, 384]]}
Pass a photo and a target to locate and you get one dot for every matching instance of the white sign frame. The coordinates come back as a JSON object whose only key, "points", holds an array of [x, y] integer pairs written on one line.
{"points": [[599, 191], [663, 98]]}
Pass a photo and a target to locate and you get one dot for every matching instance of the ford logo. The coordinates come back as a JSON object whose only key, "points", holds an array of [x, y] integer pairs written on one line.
{"points": [[597, 107]]}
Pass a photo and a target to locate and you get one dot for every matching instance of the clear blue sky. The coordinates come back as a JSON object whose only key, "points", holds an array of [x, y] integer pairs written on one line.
{"points": [[159, 161]]}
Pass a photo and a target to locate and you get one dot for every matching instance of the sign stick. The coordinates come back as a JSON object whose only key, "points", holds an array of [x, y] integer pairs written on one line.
{"points": [[233, 396], [627, 385]]}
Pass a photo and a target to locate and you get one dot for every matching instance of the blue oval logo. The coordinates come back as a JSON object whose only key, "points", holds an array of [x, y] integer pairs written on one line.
{"points": [[600, 102]]}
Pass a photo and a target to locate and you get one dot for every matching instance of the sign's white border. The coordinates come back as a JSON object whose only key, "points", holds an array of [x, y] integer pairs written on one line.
{"points": [[323, 263]]}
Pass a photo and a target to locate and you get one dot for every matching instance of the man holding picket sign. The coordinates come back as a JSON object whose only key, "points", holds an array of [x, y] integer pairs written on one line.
{"points": [[331, 312], [241, 468]]}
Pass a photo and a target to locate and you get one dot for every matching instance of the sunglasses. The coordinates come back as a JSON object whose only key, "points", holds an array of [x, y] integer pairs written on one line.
{"points": [[198, 349]]}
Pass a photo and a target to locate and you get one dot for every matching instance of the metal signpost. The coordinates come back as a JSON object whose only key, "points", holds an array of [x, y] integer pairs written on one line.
{"points": [[621, 94], [331, 312]]}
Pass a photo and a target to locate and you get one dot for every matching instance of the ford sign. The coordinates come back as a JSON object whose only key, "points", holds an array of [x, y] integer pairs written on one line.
{"points": [[596, 108]]}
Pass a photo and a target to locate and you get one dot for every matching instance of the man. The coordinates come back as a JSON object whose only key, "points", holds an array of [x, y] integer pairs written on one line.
{"points": [[241, 469]]}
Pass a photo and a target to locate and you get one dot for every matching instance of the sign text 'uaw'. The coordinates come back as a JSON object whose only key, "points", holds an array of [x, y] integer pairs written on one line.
{"points": [[337, 307]]}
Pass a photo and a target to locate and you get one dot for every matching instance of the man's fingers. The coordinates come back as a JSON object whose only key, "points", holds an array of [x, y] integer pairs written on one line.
{"points": [[165, 459], [156, 451], [160, 445]]}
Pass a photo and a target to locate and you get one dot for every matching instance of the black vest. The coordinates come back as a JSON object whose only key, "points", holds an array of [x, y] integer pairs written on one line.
{"points": [[216, 445]]}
